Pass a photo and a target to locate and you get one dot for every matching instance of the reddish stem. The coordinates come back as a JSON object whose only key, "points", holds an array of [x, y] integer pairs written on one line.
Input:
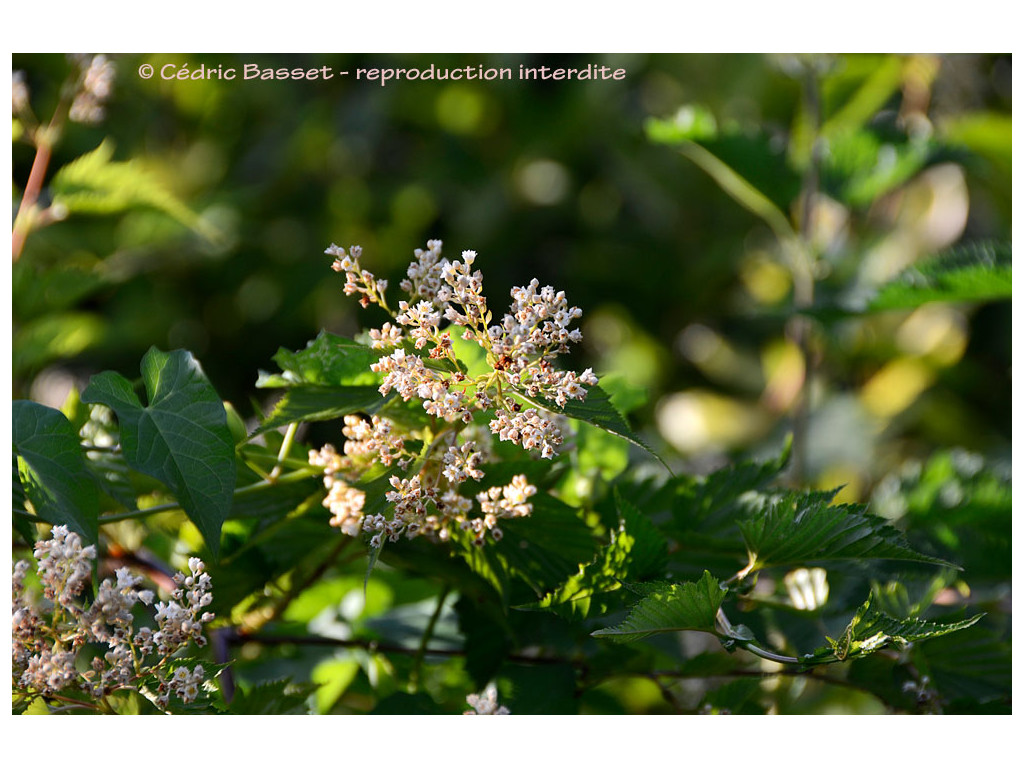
{"points": [[28, 200]]}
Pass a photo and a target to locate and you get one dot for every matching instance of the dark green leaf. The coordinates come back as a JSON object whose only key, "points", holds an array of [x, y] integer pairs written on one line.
{"points": [[548, 546], [180, 438], [309, 403], [636, 551], [276, 697], [52, 470], [596, 409], [487, 636], [976, 666], [797, 528], [717, 496]]}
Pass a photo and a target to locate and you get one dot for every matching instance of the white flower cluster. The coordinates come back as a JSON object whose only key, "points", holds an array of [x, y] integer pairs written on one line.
{"points": [[520, 349], [95, 87], [442, 295], [46, 639], [485, 703]]}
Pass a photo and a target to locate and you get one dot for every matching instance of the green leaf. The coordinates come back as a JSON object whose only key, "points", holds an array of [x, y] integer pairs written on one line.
{"points": [[871, 630], [596, 409], [691, 122], [636, 551], [649, 547], [860, 166], [304, 403], [55, 336], [797, 528], [95, 183], [975, 667], [275, 697], [180, 438], [961, 503], [52, 470], [548, 546], [488, 638], [327, 361], [978, 272], [671, 608], [972, 273], [718, 496]]}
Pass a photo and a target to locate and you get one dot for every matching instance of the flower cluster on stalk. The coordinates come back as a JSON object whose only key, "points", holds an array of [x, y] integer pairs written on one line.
{"points": [[49, 634], [418, 363]]}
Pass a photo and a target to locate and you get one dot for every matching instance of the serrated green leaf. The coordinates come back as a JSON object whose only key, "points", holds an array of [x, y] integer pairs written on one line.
{"points": [[799, 527], [976, 666], [871, 630], [95, 183], [979, 272], [671, 608], [327, 361], [181, 437], [649, 551], [548, 546], [52, 470], [717, 496], [636, 551], [308, 403]]}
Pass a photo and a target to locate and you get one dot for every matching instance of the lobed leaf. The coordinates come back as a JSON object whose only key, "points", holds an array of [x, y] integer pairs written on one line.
{"points": [[181, 437]]}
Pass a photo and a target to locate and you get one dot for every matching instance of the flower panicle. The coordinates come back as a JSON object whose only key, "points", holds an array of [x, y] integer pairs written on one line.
{"points": [[443, 297], [46, 640]]}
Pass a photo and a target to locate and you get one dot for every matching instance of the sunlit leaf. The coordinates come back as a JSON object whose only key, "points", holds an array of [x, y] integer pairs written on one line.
{"points": [[596, 409], [327, 361], [671, 608], [96, 183], [978, 272], [872, 630], [798, 528]]}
